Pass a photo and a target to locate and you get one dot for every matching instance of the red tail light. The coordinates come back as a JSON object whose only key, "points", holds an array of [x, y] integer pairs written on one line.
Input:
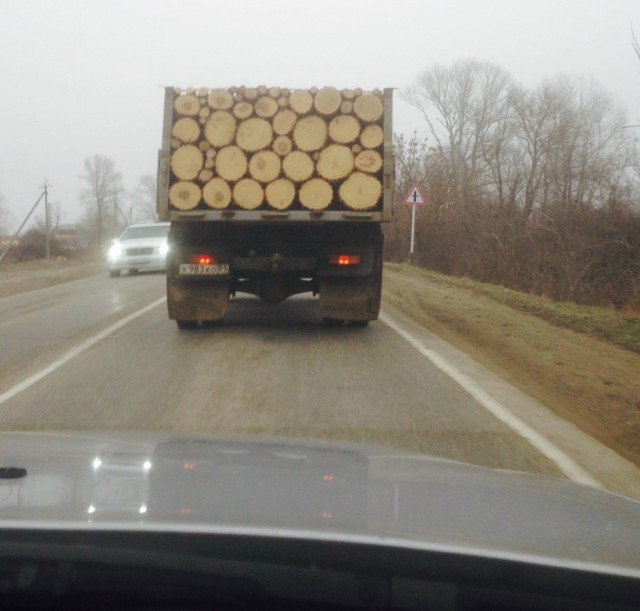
{"points": [[344, 260], [202, 259]]}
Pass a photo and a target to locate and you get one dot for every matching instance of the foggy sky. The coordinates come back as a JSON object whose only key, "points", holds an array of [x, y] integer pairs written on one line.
{"points": [[85, 77]]}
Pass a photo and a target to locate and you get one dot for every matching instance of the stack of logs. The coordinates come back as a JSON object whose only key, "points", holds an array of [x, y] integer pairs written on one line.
{"points": [[273, 146]]}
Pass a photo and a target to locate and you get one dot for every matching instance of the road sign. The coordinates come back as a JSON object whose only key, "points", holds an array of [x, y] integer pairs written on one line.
{"points": [[414, 197]]}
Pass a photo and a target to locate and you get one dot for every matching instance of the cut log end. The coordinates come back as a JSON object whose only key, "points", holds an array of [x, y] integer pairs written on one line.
{"points": [[220, 99], [254, 134], [297, 166], [280, 193], [368, 107], [220, 128], [217, 194], [368, 161], [187, 105], [360, 191], [264, 166], [327, 100], [184, 195], [186, 162], [310, 133], [335, 162], [231, 163], [316, 194], [186, 130], [248, 194]]}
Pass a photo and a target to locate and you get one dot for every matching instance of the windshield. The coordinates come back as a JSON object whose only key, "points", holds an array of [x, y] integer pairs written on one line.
{"points": [[153, 231], [405, 228]]}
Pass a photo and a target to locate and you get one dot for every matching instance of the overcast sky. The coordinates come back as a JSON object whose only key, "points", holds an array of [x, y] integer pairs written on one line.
{"points": [[85, 77]]}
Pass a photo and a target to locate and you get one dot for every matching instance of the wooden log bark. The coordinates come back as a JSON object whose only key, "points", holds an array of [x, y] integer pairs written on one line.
{"points": [[360, 191], [344, 129], [186, 130], [264, 166], [217, 194], [327, 100], [301, 101], [372, 136], [280, 193], [335, 162], [254, 134], [187, 105], [231, 163], [368, 107], [297, 166], [248, 194], [368, 161], [220, 128], [186, 162], [184, 195], [220, 99], [316, 194], [310, 133], [284, 121]]}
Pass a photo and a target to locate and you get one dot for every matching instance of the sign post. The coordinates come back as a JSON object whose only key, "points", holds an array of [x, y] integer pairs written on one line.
{"points": [[414, 199]]}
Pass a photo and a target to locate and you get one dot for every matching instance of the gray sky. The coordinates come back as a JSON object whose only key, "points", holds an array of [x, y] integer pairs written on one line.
{"points": [[85, 77]]}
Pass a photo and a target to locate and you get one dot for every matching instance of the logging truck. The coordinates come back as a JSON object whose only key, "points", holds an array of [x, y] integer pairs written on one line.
{"points": [[275, 192]]}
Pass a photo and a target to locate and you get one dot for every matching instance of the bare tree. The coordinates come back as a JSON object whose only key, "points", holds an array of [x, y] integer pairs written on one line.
{"points": [[103, 188], [144, 199]]}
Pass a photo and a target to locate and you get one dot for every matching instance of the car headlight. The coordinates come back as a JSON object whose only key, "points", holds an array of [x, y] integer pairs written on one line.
{"points": [[115, 251], [163, 248]]}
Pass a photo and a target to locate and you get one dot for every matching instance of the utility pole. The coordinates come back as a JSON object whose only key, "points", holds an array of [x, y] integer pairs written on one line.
{"points": [[47, 220]]}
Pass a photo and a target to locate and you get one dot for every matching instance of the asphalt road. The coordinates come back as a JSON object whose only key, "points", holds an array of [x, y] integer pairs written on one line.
{"points": [[86, 355]]}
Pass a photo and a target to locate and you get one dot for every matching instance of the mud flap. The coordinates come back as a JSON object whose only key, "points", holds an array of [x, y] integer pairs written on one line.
{"points": [[197, 301], [354, 299]]}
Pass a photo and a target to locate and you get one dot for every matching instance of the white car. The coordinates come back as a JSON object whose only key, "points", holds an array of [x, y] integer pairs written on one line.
{"points": [[141, 247]]}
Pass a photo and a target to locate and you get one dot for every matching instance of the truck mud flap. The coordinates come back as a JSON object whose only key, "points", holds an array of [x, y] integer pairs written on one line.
{"points": [[193, 301], [352, 299]]}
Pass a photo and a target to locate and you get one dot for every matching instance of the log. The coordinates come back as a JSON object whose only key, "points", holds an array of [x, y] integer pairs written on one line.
{"points": [[204, 146], [264, 166], [346, 108], [248, 194], [356, 148], [220, 99], [368, 107], [284, 121], [327, 100], [310, 133], [202, 92], [344, 129], [254, 134], [210, 153], [280, 193], [187, 105], [243, 110], [372, 136], [266, 107], [297, 166], [209, 163], [220, 128], [184, 195], [231, 163], [186, 162], [175, 143], [205, 175], [250, 93], [282, 145], [368, 161], [283, 101], [348, 94], [316, 194], [262, 90], [301, 101], [335, 162], [275, 92], [217, 194], [360, 191], [204, 112]]}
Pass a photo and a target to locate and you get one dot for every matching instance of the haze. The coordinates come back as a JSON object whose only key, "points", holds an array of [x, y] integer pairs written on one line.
{"points": [[85, 77]]}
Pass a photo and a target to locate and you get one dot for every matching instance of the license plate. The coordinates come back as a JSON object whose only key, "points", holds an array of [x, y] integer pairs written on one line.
{"points": [[190, 269]]}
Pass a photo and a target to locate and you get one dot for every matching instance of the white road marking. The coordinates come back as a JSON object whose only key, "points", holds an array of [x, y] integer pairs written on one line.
{"points": [[74, 352], [564, 462]]}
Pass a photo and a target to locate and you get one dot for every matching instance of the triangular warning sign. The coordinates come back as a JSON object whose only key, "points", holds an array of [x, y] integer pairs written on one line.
{"points": [[414, 197]]}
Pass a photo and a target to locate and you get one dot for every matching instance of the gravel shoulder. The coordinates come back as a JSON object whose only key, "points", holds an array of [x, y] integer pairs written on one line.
{"points": [[587, 381]]}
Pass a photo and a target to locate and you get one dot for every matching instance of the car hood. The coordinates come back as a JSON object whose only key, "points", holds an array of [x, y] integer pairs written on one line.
{"points": [[149, 481], [141, 242]]}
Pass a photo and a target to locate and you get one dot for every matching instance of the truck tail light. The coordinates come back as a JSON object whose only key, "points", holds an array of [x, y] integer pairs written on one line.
{"points": [[344, 260], [202, 259]]}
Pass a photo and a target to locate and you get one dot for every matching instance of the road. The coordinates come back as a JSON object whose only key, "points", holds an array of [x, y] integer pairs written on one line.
{"points": [[100, 353]]}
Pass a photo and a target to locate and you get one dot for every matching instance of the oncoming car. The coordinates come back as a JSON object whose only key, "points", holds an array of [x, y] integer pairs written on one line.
{"points": [[141, 247]]}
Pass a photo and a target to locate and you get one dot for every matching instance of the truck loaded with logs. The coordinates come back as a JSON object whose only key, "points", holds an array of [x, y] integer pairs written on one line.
{"points": [[275, 192]]}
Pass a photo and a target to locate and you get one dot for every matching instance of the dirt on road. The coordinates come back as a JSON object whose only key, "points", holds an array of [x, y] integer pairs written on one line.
{"points": [[587, 381]]}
